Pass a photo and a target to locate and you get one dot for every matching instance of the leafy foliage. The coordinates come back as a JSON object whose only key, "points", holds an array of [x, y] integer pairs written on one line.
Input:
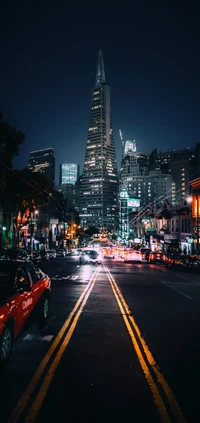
{"points": [[26, 190], [10, 141]]}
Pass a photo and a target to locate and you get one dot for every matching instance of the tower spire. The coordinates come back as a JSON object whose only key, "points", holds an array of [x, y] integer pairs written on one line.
{"points": [[100, 75]]}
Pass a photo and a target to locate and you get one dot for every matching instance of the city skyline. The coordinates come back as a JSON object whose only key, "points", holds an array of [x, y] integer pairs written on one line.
{"points": [[47, 76]]}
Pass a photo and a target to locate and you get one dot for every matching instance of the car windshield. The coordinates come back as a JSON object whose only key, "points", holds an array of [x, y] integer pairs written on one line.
{"points": [[91, 253]]}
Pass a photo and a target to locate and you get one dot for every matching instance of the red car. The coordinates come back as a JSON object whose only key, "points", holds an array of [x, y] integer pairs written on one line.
{"points": [[24, 298]]}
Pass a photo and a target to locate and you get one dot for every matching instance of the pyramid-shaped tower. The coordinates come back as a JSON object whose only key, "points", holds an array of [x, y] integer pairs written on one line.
{"points": [[99, 184]]}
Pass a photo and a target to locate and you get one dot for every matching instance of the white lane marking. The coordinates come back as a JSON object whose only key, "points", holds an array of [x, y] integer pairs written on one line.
{"points": [[74, 277], [34, 337], [177, 290], [54, 277]]}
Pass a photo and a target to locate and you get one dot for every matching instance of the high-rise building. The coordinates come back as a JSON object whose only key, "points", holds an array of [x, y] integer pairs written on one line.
{"points": [[69, 173], [99, 180], [71, 193], [43, 161], [182, 165]]}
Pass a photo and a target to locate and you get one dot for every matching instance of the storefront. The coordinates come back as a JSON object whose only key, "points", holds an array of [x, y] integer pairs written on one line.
{"points": [[186, 243], [171, 242]]}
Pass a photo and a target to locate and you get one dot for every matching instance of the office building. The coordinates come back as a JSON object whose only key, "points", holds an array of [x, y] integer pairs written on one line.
{"points": [[71, 193], [182, 165], [99, 184], [69, 173], [43, 161]]}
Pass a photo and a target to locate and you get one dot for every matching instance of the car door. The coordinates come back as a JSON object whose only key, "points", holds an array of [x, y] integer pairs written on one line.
{"points": [[23, 298], [38, 285]]}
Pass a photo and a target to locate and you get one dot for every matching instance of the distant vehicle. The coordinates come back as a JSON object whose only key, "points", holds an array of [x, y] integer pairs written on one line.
{"points": [[157, 257], [16, 254], [132, 255], [24, 298], [52, 254], [145, 252], [60, 253], [108, 253], [77, 252], [44, 255], [36, 257], [90, 257]]}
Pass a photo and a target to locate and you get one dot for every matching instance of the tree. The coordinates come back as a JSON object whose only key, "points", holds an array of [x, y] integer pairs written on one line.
{"points": [[25, 191], [10, 141]]}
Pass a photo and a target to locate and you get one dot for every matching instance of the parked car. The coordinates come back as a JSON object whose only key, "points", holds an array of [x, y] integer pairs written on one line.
{"points": [[52, 254], [157, 257], [90, 257], [16, 254], [60, 253], [24, 298]]}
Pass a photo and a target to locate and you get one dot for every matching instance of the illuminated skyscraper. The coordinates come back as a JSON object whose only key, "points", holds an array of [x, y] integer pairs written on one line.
{"points": [[69, 173], [43, 161], [99, 180]]}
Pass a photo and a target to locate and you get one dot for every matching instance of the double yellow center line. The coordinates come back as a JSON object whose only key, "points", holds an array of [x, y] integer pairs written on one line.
{"points": [[67, 334], [163, 397], [160, 389]]}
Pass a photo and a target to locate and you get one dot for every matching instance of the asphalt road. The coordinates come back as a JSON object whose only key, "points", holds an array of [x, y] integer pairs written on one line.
{"points": [[122, 342]]}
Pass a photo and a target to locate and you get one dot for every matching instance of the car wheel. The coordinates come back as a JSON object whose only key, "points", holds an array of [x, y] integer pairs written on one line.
{"points": [[44, 313], [6, 342]]}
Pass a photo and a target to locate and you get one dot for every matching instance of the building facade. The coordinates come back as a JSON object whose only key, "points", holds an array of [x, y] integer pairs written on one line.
{"points": [[69, 173], [43, 161], [99, 182], [182, 165], [71, 193]]}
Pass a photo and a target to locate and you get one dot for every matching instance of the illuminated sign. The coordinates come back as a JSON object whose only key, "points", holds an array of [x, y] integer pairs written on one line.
{"points": [[133, 202], [194, 206]]}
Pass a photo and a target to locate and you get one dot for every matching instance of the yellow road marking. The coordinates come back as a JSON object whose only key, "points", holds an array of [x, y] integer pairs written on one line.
{"points": [[35, 408], [22, 403], [160, 378]]}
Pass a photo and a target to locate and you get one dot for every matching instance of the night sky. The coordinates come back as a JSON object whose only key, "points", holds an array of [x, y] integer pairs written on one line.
{"points": [[152, 61]]}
